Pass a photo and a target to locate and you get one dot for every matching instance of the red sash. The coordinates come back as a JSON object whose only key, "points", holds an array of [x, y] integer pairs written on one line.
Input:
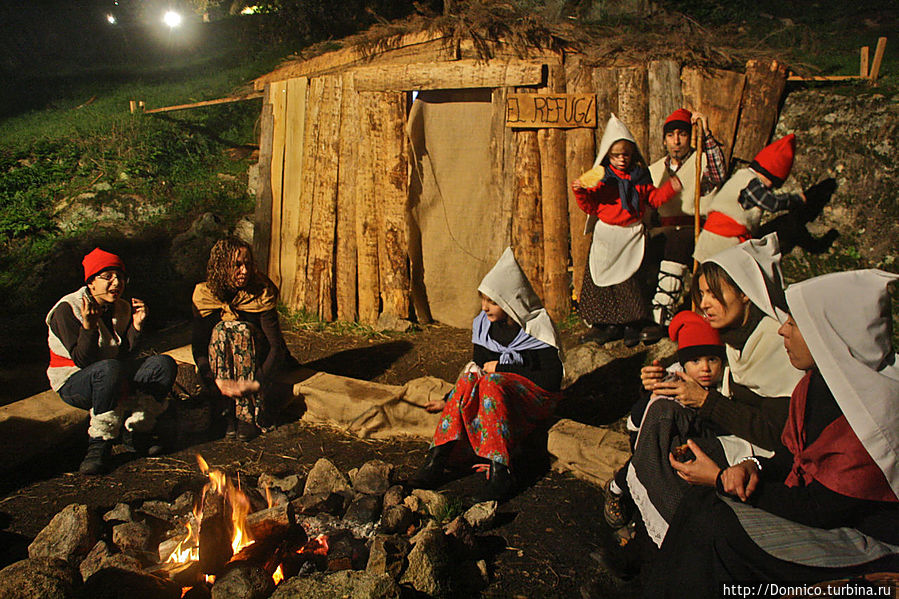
{"points": [[836, 459], [721, 224], [57, 361]]}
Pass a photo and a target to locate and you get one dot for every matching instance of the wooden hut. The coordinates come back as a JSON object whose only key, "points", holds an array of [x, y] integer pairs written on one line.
{"points": [[391, 180]]}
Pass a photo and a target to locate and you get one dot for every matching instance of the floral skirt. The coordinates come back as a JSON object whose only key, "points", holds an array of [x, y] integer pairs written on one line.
{"points": [[494, 412], [232, 355]]}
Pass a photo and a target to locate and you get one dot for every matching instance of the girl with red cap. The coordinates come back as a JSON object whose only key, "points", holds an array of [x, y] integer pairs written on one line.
{"points": [[736, 210], [92, 334]]}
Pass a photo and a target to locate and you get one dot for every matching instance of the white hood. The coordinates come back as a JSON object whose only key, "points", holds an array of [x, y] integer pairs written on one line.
{"points": [[754, 265]]}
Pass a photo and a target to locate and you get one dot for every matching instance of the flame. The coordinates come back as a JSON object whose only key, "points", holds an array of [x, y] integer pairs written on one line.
{"points": [[186, 553], [278, 576], [317, 545], [268, 497]]}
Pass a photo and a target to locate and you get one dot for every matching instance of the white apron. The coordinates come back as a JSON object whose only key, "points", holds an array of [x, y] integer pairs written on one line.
{"points": [[616, 252]]}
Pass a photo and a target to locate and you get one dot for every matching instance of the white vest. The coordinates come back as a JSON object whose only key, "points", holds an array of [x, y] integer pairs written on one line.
{"points": [[61, 365], [682, 203], [727, 201]]}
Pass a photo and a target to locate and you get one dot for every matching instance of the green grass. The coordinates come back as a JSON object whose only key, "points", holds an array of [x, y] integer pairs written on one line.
{"points": [[302, 320]]}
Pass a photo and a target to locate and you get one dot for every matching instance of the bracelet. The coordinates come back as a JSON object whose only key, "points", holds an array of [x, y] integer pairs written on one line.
{"points": [[754, 459]]}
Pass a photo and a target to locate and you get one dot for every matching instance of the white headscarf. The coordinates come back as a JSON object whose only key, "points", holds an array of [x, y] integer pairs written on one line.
{"points": [[754, 266], [507, 285], [846, 322], [615, 130]]}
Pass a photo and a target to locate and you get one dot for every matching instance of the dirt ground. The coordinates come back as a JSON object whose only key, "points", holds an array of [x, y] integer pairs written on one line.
{"points": [[539, 547]]}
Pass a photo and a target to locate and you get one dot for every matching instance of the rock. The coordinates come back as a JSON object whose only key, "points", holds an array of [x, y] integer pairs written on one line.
{"points": [[462, 532], [397, 518], [131, 536], [184, 503], [70, 535], [115, 583], [40, 577], [351, 474], [373, 477], [430, 525], [243, 582], [584, 359], [435, 503], [391, 322], [325, 478], [318, 503], [102, 186], [189, 251], [160, 510], [345, 584], [94, 559], [122, 561], [108, 208], [429, 565], [120, 513], [364, 509], [393, 496], [387, 554], [415, 504], [481, 515], [289, 485]]}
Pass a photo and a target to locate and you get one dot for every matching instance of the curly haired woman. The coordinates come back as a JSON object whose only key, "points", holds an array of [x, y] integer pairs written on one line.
{"points": [[237, 342]]}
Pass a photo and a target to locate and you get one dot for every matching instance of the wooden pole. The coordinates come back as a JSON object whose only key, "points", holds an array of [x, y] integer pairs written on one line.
{"points": [[262, 222], [243, 98], [527, 217], [863, 62], [878, 57], [367, 212], [698, 130], [345, 262]]}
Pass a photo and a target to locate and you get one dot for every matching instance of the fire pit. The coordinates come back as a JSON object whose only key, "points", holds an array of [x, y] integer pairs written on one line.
{"points": [[334, 535]]}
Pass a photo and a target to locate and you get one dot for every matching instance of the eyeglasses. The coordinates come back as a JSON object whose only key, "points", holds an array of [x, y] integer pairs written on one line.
{"points": [[109, 275]]}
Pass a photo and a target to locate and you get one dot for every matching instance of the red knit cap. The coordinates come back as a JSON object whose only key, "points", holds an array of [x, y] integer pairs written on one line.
{"points": [[679, 119], [694, 337], [98, 261], [776, 160]]}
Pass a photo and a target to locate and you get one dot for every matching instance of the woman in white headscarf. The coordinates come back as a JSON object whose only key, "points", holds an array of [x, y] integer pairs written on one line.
{"points": [[511, 385], [826, 507]]}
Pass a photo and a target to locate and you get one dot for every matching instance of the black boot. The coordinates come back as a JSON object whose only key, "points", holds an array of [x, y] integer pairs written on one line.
{"points": [[499, 483], [142, 444], [431, 474], [631, 334], [96, 460], [602, 334]]}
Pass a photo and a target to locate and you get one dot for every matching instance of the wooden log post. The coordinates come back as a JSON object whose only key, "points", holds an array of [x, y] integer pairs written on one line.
{"points": [[345, 261], [765, 82], [294, 212], [502, 149], [369, 291], [716, 94], [278, 98], [878, 58], [665, 96], [633, 104], [215, 534], [391, 173], [262, 220], [269, 521], [527, 215], [605, 82], [580, 152], [554, 193], [319, 268]]}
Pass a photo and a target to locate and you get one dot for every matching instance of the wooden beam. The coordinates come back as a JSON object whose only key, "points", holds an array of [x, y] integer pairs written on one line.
{"points": [[243, 98], [580, 151], [716, 94], [863, 62], [665, 96], [824, 77], [278, 97], [765, 82], [345, 261], [369, 290], [878, 57], [527, 215], [292, 191], [633, 103], [462, 74], [262, 220]]}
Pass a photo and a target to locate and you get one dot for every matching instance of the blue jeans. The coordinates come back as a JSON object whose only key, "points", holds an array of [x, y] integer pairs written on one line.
{"points": [[101, 384]]}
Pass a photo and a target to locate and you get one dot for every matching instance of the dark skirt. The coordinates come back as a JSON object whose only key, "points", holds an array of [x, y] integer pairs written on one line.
{"points": [[625, 302]]}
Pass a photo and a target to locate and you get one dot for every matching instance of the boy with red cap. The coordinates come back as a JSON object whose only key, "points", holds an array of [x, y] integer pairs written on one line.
{"points": [[92, 331], [736, 210], [676, 216], [701, 357]]}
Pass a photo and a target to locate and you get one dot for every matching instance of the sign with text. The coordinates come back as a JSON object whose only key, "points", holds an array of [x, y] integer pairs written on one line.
{"points": [[550, 110]]}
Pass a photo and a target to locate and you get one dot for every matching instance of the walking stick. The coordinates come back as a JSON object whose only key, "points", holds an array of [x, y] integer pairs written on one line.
{"points": [[697, 140]]}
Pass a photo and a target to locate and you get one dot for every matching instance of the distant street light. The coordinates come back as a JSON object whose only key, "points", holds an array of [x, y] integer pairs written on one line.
{"points": [[172, 19], [110, 18]]}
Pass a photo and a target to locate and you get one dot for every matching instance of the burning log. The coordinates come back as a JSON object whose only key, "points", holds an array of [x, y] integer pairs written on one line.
{"points": [[215, 534], [184, 574], [269, 521]]}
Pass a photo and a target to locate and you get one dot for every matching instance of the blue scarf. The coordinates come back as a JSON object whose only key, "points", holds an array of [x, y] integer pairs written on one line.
{"points": [[627, 190], [480, 330]]}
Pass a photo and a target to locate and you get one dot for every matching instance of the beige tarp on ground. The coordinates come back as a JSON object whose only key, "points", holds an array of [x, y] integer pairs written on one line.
{"points": [[590, 453], [37, 425], [369, 409], [455, 233]]}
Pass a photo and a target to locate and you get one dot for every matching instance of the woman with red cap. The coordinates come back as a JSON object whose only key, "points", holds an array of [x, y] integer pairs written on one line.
{"points": [[92, 333], [736, 210]]}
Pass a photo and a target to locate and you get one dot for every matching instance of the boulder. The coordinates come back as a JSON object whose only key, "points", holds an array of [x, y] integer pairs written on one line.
{"points": [[116, 583], [435, 503], [396, 519], [131, 536], [429, 568], [243, 582], [373, 477], [70, 535], [43, 577], [345, 584], [94, 559], [317, 503], [289, 485], [120, 513], [481, 515], [363, 509], [387, 555], [393, 496], [325, 477]]}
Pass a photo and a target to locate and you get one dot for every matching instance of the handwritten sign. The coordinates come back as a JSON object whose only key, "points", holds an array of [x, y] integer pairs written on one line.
{"points": [[551, 110]]}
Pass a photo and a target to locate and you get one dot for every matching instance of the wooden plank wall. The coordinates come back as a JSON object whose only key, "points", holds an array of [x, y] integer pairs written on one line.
{"points": [[336, 175]]}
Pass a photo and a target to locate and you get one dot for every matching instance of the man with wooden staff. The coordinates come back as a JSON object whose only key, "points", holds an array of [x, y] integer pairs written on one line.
{"points": [[676, 216]]}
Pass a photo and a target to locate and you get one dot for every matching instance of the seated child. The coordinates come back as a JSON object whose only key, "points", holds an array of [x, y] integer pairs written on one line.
{"points": [[736, 210], [510, 387], [701, 358]]}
